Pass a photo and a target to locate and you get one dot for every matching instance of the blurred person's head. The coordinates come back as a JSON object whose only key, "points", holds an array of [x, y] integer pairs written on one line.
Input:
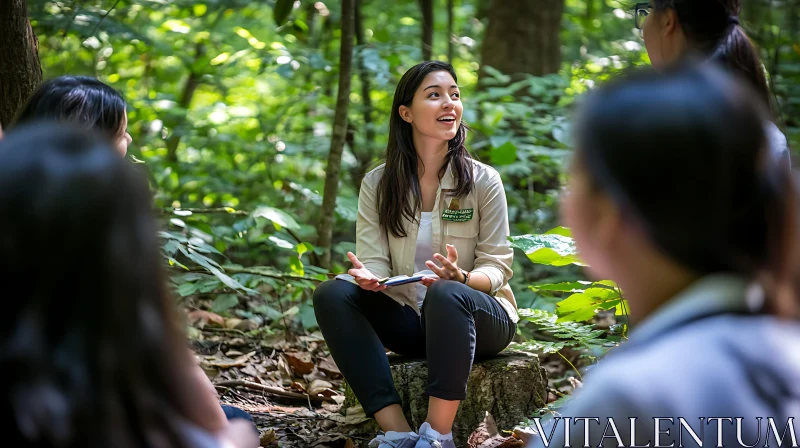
{"points": [[708, 29], [84, 101], [672, 180], [91, 352]]}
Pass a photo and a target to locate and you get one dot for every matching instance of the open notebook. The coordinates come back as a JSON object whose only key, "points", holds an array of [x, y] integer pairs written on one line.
{"points": [[389, 281]]}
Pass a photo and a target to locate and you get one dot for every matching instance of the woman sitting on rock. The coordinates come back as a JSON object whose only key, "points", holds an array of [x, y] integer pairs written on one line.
{"points": [[430, 209]]}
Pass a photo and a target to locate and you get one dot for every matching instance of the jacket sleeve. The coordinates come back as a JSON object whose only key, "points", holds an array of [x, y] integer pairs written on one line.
{"points": [[493, 252], [372, 246]]}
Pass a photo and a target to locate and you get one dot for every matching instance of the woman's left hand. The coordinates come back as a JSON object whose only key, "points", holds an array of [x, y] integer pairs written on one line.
{"points": [[449, 269]]}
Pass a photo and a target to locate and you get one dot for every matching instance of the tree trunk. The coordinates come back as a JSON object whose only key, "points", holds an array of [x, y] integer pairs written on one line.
{"points": [[523, 37], [427, 28], [450, 34], [20, 69], [510, 386], [363, 155], [327, 218], [192, 83]]}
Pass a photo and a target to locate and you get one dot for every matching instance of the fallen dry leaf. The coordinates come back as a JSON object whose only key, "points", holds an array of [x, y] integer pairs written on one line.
{"points": [[300, 362], [329, 368], [205, 318], [352, 416], [232, 323], [223, 362], [300, 387], [267, 437], [319, 387]]}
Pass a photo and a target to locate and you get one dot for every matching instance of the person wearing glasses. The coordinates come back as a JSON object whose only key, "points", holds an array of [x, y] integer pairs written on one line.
{"points": [[674, 30]]}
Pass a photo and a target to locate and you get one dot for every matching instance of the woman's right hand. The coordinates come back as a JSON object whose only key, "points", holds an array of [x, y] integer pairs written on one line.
{"points": [[365, 279]]}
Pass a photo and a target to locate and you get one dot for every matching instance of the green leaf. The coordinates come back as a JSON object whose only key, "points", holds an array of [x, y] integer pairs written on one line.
{"points": [[602, 294], [224, 278], [303, 248], [563, 231], [281, 11], [578, 316], [224, 302], [283, 244], [551, 250], [504, 154], [296, 265], [187, 289], [576, 302], [578, 286], [278, 217], [307, 317]]}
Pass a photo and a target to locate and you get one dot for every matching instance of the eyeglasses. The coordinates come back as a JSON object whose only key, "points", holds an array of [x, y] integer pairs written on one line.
{"points": [[640, 13]]}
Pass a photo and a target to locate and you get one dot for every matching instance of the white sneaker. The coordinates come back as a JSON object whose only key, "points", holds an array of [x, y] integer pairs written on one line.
{"points": [[429, 438], [394, 439]]}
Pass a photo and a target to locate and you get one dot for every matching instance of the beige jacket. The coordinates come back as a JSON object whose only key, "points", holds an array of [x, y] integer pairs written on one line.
{"points": [[482, 241]]}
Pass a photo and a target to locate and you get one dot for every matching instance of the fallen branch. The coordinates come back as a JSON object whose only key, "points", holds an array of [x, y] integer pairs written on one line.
{"points": [[272, 390]]}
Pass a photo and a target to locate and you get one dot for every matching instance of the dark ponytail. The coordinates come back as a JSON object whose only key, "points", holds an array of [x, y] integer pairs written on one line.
{"points": [[695, 175], [712, 28]]}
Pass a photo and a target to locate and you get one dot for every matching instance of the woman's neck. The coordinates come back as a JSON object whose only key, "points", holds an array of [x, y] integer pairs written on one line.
{"points": [[432, 154], [652, 283]]}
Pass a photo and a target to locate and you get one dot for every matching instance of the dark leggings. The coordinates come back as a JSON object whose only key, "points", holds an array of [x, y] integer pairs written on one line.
{"points": [[458, 324], [232, 412]]}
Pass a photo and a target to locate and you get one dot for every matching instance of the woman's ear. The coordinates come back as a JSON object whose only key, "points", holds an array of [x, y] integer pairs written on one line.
{"points": [[405, 114], [669, 22]]}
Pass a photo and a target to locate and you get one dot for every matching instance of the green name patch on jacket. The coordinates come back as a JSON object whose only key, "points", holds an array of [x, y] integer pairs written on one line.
{"points": [[457, 215]]}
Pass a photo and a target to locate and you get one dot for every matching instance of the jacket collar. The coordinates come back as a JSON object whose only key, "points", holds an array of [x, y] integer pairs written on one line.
{"points": [[713, 294]]}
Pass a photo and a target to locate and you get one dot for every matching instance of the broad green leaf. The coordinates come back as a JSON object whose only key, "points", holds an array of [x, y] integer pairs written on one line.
{"points": [[224, 302], [602, 294], [283, 244], [504, 154], [552, 250], [187, 289], [563, 231], [278, 217], [578, 316], [576, 302]]}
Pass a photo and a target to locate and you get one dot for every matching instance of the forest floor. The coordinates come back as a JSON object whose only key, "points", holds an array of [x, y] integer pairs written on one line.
{"points": [[293, 389]]}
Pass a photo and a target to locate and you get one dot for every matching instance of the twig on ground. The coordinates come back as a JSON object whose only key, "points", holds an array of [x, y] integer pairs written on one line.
{"points": [[272, 390], [226, 330]]}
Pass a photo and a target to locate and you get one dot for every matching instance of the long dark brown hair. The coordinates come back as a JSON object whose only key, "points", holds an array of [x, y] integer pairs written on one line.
{"points": [[695, 174], [712, 29], [399, 193], [90, 347]]}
